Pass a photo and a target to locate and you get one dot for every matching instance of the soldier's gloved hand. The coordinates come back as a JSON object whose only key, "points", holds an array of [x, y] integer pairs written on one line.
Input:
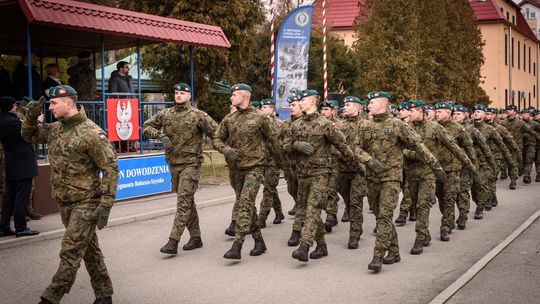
{"points": [[101, 214], [166, 142], [34, 109], [440, 175], [231, 153], [304, 147], [376, 166], [475, 175]]}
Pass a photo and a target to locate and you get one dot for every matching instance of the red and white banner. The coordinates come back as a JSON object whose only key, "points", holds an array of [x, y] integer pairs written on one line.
{"points": [[122, 119]]}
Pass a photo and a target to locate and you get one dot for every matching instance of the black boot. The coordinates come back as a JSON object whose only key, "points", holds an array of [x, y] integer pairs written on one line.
{"points": [[504, 175], [494, 202], [301, 253], [259, 247], [401, 220], [418, 247], [488, 204], [231, 231], [319, 252], [193, 243], [512, 185], [427, 240], [235, 253], [345, 217], [527, 179], [294, 240], [330, 222], [45, 301], [444, 236], [461, 222], [171, 247], [478, 214], [262, 223], [375, 264], [293, 210], [391, 258], [279, 217], [106, 300], [412, 215], [353, 242], [537, 180]]}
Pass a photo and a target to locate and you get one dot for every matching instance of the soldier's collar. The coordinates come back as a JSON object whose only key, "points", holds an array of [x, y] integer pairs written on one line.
{"points": [[73, 120], [381, 116], [311, 116], [181, 107]]}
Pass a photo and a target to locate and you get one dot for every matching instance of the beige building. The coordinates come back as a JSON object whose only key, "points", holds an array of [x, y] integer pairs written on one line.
{"points": [[340, 16]]}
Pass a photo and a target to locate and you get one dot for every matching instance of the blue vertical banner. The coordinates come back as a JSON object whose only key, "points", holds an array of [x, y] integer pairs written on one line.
{"points": [[292, 57]]}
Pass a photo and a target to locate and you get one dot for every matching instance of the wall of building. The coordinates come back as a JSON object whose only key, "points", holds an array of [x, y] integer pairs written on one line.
{"points": [[347, 35], [532, 16]]}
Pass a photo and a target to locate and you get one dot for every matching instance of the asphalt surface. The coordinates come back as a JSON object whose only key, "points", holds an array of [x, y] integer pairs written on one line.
{"points": [[141, 274]]}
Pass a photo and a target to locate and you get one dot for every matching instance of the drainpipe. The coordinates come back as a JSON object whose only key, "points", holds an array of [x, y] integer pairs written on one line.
{"points": [[511, 62]]}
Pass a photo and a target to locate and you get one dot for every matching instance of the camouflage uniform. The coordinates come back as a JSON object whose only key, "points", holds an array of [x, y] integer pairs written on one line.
{"points": [[290, 175], [248, 131], [498, 156], [518, 128], [333, 188], [185, 127], [535, 125], [385, 137], [271, 180], [313, 171], [78, 152], [83, 79]]}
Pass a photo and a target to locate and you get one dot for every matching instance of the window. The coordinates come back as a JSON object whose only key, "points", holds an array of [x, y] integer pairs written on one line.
{"points": [[514, 20], [505, 97], [534, 69], [524, 57], [508, 16], [512, 51], [519, 54], [534, 91], [533, 15], [529, 99], [529, 60], [506, 49], [527, 13], [519, 100]]}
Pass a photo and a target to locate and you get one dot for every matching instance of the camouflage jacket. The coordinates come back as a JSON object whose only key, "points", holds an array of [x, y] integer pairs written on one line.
{"points": [[289, 157], [247, 130], [83, 79], [494, 141], [384, 137], [185, 127], [322, 134], [535, 125], [462, 138], [79, 152], [350, 127], [275, 158], [507, 138], [481, 147], [518, 128]]}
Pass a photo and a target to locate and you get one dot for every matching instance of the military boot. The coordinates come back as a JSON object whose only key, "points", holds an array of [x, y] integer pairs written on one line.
{"points": [[330, 222], [353, 242], [376, 264], [504, 175], [45, 301], [461, 222], [193, 243], [391, 258], [418, 247], [494, 202], [259, 248], [521, 170], [345, 218], [235, 253], [231, 231], [478, 214], [512, 185], [319, 252], [444, 236], [262, 223], [537, 180], [427, 240], [279, 217], [171, 247], [527, 179], [294, 240], [293, 210], [106, 300], [412, 215], [301, 253], [488, 204], [401, 220]]}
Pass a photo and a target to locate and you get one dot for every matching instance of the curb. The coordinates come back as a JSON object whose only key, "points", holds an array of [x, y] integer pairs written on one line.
{"points": [[54, 234], [446, 294]]}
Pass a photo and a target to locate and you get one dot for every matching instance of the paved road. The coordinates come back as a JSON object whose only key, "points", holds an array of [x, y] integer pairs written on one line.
{"points": [[141, 274]]}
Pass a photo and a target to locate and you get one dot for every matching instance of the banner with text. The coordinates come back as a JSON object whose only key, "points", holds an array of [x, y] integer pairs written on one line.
{"points": [[142, 176], [292, 57]]}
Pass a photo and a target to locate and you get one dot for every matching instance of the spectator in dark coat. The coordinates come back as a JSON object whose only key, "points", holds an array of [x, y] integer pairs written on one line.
{"points": [[5, 79], [20, 79], [121, 81], [52, 80], [21, 168]]}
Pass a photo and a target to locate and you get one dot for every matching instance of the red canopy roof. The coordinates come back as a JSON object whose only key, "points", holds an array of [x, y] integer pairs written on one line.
{"points": [[64, 27]]}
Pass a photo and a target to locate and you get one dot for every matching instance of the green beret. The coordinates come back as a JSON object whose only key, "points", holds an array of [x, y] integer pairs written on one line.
{"points": [[480, 107], [446, 105], [182, 87], [241, 87], [502, 111], [429, 107], [308, 92], [326, 104], [460, 108], [334, 103], [293, 98], [377, 94], [267, 102], [491, 110], [340, 110], [511, 107], [392, 106], [416, 103], [353, 99], [404, 106], [532, 109], [60, 91], [255, 103]]}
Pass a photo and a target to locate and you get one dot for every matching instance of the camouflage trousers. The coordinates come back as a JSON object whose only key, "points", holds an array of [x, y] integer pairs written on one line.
{"points": [[422, 193], [447, 194], [233, 180], [312, 197], [2, 176], [384, 197], [406, 202], [333, 197], [528, 159], [270, 194], [353, 188], [464, 197], [185, 179], [292, 184], [79, 243], [247, 183], [537, 162], [480, 190]]}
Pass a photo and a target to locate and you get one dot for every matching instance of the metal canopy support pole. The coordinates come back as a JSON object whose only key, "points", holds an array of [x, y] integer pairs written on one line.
{"points": [[104, 122], [139, 95], [192, 80], [29, 60]]}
